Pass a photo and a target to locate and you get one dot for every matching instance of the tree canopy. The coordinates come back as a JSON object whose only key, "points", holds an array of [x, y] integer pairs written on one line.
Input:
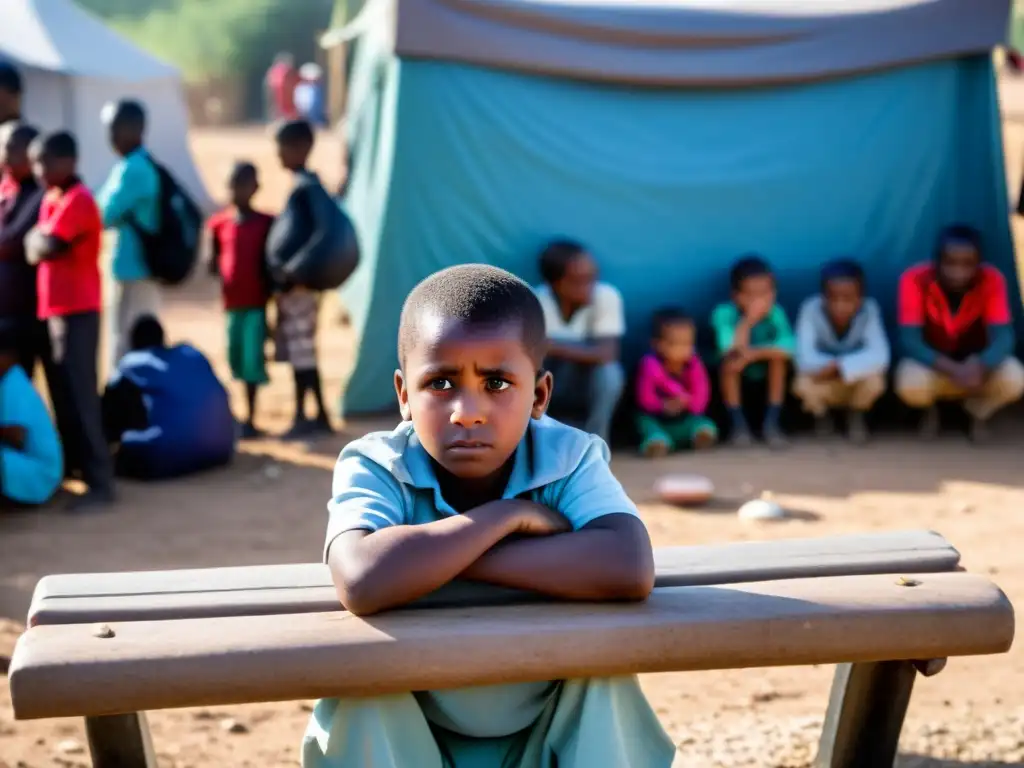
{"points": [[218, 38]]}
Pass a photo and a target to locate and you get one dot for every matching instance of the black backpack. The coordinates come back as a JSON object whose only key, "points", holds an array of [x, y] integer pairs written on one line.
{"points": [[172, 251]]}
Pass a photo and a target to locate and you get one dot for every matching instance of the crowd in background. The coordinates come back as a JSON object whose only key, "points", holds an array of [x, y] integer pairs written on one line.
{"points": [[955, 331], [291, 93], [162, 412]]}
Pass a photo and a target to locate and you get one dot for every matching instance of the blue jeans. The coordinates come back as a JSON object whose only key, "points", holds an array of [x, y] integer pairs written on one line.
{"points": [[586, 396]]}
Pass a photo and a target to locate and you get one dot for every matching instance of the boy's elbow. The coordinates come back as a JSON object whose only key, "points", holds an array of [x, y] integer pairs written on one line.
{"points": [[356, 597], [353, 586], [635, 579]]}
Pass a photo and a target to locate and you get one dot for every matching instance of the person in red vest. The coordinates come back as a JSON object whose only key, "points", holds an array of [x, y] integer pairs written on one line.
{"points": [[282, 77]]}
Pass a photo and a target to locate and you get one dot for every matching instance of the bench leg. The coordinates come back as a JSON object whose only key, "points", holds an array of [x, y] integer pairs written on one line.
{"points": [[865, 715], [120, 741]]}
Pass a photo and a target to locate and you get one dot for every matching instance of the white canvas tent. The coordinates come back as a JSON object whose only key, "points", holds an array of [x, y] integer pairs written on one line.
{"points": [[72, 64]]}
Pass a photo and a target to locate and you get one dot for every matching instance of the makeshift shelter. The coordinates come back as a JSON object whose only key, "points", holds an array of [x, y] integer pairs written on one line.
{"points": [[72, 65], [669, 136]]}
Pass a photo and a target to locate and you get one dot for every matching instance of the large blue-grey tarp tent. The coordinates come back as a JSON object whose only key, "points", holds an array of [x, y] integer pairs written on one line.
{"points": [[670, 136]]}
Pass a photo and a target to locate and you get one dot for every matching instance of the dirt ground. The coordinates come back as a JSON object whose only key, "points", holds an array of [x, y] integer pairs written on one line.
{"points": [[269, 508]]}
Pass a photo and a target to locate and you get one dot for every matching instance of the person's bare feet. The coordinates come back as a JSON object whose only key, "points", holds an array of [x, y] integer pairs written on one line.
{"points": [[704, 439], [655, 449]]}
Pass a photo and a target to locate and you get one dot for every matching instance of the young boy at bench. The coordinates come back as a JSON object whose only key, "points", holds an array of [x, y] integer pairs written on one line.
{"points": [[956, 329], [31, 465], [477, 484], [842, 351], [755, 341]]}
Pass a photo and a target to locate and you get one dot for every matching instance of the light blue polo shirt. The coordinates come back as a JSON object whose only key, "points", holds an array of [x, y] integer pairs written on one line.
{"points": [[387, 479], [133, 187]]}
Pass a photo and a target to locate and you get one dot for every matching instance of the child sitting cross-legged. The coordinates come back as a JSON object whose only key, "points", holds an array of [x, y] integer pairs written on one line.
{"points": [[476, 483], [672, 389]]}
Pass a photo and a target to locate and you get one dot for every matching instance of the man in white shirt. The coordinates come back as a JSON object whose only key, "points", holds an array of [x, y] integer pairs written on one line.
{"points": [[585, 324]]}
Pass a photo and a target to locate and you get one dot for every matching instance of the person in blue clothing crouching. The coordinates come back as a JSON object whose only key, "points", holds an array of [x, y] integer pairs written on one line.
{"points": [[31, 458], [165, 413]]}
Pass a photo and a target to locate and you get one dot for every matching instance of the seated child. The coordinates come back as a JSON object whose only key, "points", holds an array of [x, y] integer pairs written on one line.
{"points": [[956, 329], [238, 244], [31, 459], [842, 351], [755, 341], [672, 389], [164, 411], [476, 483]]}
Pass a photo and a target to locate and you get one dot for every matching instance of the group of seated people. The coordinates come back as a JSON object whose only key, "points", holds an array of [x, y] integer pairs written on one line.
{"points": [[955, 335], [165, 414]]}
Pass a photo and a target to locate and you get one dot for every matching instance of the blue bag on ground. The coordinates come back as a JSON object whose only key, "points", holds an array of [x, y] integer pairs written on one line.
{"points": [[312, 243], [168, 413]]}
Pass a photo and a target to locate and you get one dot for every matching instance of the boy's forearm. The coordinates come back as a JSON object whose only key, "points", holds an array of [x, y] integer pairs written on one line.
{"points": [[766, 354], [594, 563], [395, 566], [740, 335]]}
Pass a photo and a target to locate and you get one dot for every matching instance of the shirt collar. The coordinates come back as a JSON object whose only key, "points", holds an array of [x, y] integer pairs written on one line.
{"points": [[549, 452]]}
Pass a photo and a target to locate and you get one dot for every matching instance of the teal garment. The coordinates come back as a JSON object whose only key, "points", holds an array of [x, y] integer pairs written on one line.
{"points": [[603, 723], [676, 433], [132, 190], [387, 479], [674, 183], [773, 331], [30, 476]]}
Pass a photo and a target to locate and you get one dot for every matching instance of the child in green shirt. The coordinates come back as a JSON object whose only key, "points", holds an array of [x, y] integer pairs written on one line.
{"points": [[755, 340]]}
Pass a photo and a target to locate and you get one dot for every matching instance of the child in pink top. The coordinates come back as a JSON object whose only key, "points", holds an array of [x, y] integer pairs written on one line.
{"points": [[673, 389]]}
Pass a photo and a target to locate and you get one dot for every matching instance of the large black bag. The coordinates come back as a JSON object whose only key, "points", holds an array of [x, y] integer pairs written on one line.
{"points": [[312, 242], [172, 251]]}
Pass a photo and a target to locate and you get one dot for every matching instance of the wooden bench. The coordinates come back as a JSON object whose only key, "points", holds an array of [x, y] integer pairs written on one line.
{"points": [[307, 588], [882, 629]]}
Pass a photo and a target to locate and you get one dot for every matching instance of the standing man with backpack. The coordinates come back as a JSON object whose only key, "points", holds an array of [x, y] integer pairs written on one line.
{"points": [[129, 202]]}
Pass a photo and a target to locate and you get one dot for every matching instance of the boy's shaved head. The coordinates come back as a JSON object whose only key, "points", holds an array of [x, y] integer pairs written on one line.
{"points": [[478, 295]]}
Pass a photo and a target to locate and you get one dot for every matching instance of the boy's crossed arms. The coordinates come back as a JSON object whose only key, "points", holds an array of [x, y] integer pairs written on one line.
{"points": [[509, 542]]}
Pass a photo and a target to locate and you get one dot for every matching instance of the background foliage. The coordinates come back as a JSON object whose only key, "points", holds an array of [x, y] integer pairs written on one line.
{"points": [[216, 39]]}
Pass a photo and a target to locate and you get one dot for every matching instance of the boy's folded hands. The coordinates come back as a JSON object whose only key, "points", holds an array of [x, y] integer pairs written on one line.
{"points": [[532, 519]]}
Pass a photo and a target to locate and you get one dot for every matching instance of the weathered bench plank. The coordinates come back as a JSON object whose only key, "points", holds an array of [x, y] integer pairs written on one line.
{"points": [[304, 588], [60, 671]]}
